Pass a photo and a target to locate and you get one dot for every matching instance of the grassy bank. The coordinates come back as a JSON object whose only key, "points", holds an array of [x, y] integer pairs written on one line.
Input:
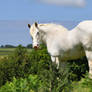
{"points": [[8, 51]]}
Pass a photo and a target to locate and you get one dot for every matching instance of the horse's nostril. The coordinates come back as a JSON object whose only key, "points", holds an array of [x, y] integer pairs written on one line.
{"points": [[35, 47]]}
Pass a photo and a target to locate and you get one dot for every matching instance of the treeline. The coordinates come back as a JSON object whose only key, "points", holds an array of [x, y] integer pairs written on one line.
{"points": [[34, 72], [12, 46]]}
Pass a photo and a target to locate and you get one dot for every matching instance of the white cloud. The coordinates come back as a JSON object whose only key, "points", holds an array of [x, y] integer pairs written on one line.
{"points": [[77, 3]]}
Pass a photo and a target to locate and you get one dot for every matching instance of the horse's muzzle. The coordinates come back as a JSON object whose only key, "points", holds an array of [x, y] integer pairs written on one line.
{"points": [[36, 47]]}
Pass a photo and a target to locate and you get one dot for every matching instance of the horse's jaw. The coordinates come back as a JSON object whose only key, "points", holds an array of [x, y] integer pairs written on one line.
{"points": [[43, 39]]}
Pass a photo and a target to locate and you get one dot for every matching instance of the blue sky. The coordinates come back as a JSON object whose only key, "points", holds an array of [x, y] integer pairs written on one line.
{"points": [[16, 14]]}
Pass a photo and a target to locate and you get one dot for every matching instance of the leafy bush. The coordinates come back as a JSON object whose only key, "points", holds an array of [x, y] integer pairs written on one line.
{"points": [[30, 84], [85, 85], [22, 63], [78, 68], [14, 65]]}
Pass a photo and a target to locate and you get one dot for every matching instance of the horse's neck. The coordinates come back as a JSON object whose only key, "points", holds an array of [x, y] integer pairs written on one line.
{"points": [[43, 37], [43, 34]]}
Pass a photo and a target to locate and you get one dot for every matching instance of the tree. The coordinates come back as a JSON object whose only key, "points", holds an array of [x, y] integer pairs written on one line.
{"points": [[29, 46], [2, 46]]}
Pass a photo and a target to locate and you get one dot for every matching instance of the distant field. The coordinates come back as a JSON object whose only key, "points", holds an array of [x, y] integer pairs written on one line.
{"points": [[8, 51]]}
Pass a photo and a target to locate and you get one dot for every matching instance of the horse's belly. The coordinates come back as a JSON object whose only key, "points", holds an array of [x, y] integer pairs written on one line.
{"points": [[73, 54]]}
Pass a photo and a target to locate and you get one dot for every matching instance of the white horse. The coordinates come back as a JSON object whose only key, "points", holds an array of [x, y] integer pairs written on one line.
{"points": [[62, 44]]}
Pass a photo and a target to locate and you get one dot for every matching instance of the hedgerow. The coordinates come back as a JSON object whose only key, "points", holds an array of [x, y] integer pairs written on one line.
{"points": [[22, 63]]}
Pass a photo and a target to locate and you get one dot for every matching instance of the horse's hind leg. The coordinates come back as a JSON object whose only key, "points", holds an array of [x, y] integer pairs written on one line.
{"points": [[89, 57]]}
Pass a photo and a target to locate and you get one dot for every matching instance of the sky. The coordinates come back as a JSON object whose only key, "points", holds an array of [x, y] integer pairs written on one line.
{"points": [[16, 14]]}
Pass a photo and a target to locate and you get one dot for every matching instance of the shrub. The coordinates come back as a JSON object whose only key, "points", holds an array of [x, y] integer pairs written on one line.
{"points": [[14, 65], [22, 63], [85, 85], [29, 84]]}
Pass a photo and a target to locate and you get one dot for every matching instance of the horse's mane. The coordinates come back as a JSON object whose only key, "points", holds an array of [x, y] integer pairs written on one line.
{"points": [[53, 27]]}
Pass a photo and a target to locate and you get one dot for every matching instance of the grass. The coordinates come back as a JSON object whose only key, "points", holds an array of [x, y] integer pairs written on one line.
{"points": [[8, 51], [84, 85]]}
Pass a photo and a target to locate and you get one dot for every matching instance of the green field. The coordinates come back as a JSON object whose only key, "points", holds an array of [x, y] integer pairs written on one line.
{"points": [[8, 51]]}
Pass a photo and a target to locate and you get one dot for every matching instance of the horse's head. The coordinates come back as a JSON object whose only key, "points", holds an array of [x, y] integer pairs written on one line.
{"points": [[34, 31]]}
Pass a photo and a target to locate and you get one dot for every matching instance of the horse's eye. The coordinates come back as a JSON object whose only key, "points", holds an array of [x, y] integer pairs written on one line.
{"points": [[37, 33]]}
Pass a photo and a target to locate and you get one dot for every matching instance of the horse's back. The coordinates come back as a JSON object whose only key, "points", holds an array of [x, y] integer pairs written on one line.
{"points": [[85, 32], [85, 26]]}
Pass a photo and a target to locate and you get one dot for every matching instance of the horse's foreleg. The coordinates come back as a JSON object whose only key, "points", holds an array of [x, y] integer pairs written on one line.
{"points": [[89, 57], [55, 60]]}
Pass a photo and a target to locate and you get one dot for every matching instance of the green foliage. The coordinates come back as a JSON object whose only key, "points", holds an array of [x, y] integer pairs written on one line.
{"points": [[29, 46], [14, 65], [7, 46], [44, 73], [78, 68], [29, 84], [85, 85]]}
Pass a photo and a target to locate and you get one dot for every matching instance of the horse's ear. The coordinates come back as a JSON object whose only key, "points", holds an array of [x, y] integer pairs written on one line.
{"points": [[36, 24], [29, 25]]}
